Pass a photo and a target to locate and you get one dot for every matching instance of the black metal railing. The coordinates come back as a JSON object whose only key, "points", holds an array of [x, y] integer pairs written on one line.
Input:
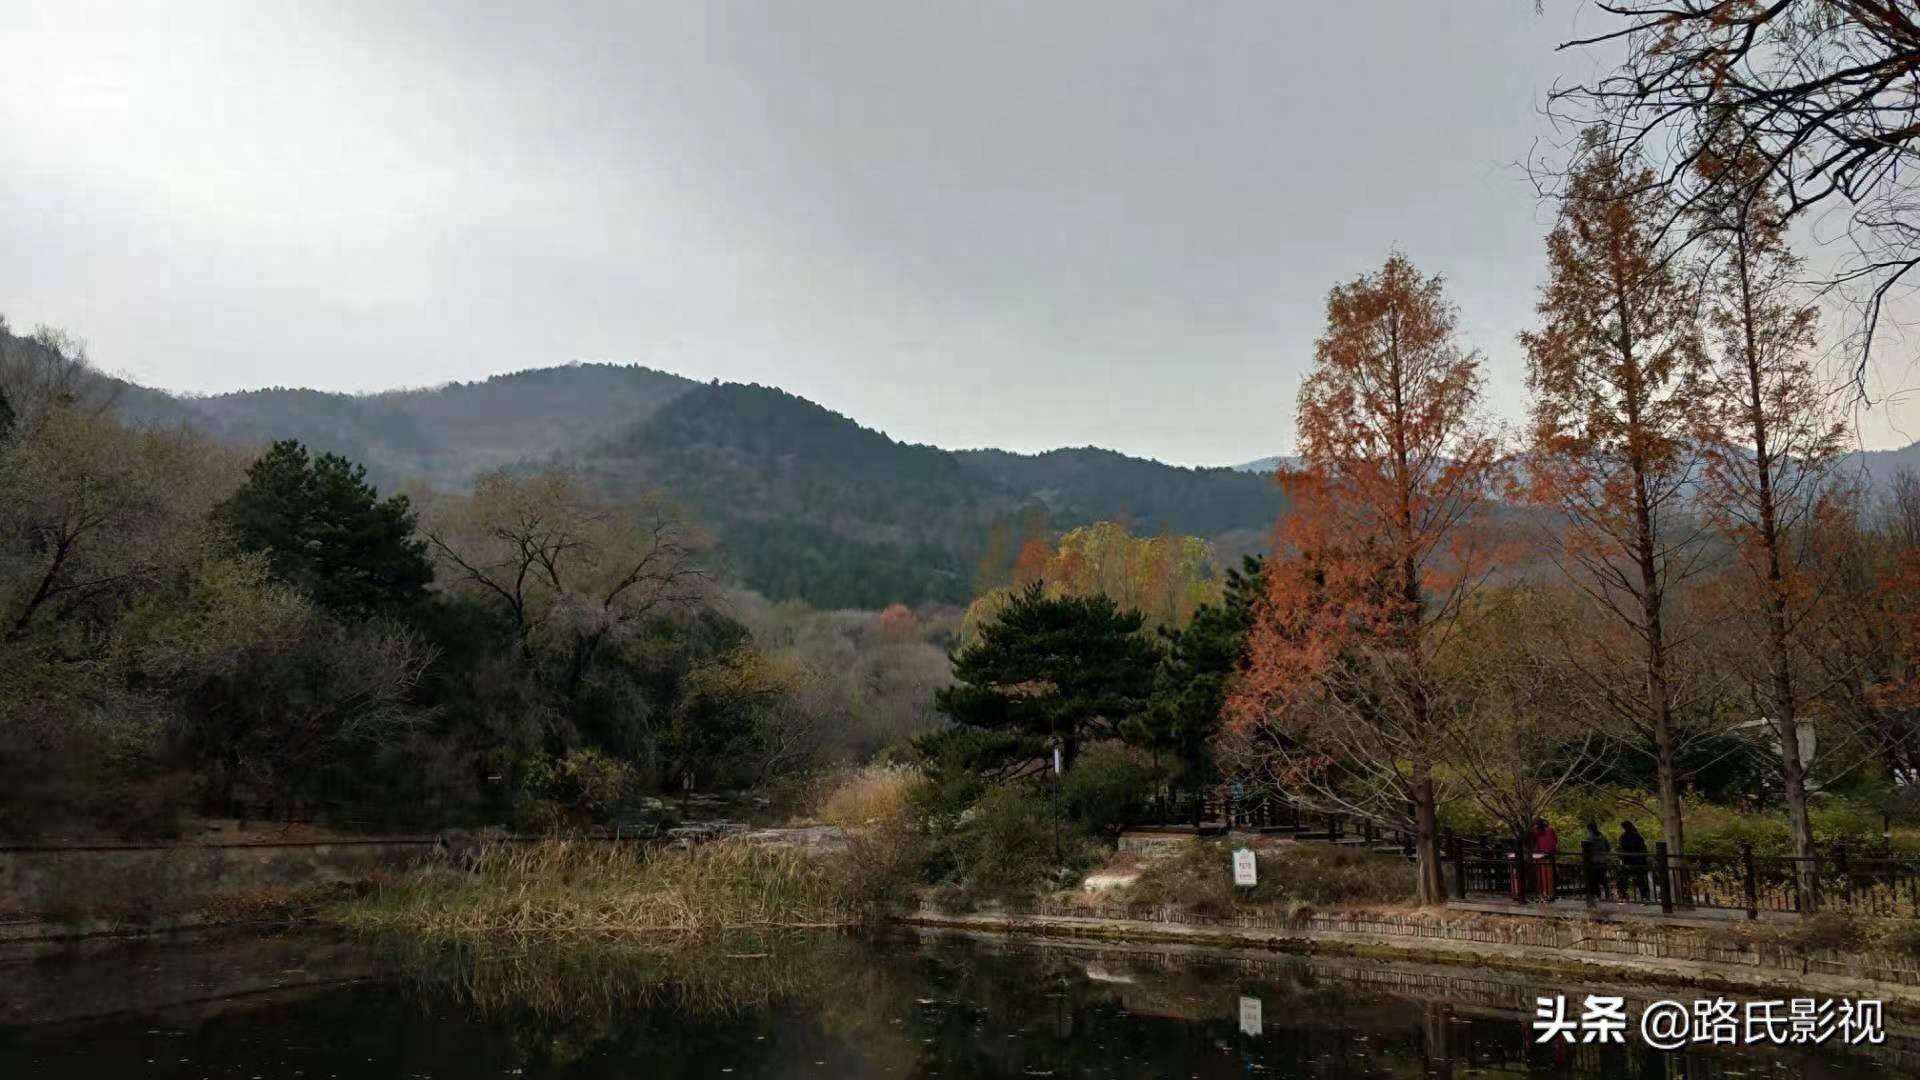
{"points": [[1832, 880], [1220, 810]]}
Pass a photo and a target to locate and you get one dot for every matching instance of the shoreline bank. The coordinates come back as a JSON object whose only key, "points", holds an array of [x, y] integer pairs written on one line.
{"points": [[1573, 949]]}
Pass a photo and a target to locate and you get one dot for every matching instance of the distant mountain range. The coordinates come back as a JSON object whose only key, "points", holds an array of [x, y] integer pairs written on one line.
{"points": [[1882, 465], [1879, 466], [445, 436], [805, 503], [1267, 464]]}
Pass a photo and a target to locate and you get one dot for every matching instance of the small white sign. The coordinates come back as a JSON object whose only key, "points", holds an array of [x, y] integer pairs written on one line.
{"points": [[1244, 868], [1057, 770], [1250, 1016]]}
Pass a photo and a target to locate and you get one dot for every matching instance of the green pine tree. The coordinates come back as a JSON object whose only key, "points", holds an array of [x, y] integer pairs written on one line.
{"points": [[1195, 674], [326, 531], [1075, 668]]}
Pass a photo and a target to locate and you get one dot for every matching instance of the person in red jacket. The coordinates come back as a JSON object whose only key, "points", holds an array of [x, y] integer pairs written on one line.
{"points": [[1543, 842]]}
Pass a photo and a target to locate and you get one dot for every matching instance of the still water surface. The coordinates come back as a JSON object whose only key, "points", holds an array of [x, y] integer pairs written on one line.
{"points": [[835, 1006]]}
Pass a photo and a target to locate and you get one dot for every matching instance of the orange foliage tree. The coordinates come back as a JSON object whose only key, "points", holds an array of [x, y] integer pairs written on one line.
{"points": [[1612, 454], [1900, 689], [1342, 706]]}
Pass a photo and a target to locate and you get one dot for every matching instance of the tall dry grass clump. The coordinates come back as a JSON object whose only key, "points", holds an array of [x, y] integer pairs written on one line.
{"points": [[885, 850], [574, 886], [855, 798]]}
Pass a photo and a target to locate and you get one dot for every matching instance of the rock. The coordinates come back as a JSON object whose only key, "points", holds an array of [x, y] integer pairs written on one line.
{"points": [[1102, 880], [700, 832], [812, 839]]}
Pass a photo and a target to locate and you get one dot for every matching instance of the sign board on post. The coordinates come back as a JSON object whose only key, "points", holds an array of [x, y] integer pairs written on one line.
{"points": [[1056, 761], [1244, 868], [1250, 1015]]}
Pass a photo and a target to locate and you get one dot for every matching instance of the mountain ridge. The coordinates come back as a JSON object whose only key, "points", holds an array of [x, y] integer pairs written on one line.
{"points": [[805, 502]]}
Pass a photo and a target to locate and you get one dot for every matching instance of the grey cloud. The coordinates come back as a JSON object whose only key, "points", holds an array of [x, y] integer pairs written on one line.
{"points": [[984, 223]]}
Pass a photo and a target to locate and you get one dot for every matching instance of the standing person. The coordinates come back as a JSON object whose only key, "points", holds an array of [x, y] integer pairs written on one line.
{"points": [[1545, 843], [1595, 852], [1633, 861]]}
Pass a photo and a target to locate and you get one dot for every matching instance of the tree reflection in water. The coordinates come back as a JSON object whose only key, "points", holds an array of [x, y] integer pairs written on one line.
{"points": [[846, 1005]]}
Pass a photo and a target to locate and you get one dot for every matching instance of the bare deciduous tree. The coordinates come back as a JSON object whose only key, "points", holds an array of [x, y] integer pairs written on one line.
{"points": [[1818, 94], [1527, 734], [572, 572], [91, 512], [1770, 443]]}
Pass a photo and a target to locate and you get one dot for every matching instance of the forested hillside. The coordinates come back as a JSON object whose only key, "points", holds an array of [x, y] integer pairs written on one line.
{"points": [[803, 502], [1089, 484], [809, 504]]}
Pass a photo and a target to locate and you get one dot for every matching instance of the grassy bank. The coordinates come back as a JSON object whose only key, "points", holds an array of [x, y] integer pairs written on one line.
{"points": [[1292, 877], [563, 886]]}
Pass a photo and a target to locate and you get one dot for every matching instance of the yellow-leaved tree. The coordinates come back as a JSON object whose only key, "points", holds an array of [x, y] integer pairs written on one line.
{"points": [[1165, 578]]}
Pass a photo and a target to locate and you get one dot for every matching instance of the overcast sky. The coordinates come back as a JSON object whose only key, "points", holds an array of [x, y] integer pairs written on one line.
{"points": [[980, 223]]}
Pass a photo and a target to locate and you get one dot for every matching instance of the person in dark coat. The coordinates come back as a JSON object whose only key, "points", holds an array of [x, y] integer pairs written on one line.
{"points": [[1596, 853], [1633, 862]]}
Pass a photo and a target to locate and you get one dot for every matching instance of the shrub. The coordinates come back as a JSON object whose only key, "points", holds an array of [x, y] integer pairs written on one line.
{"points": [[599, 783], [883, 859], [1904, 939], [1828, 930], [1009, 843], [1104, 784], [584, 787], [885, 846], [1713, 828], [1003, 847], [1843, 821]]}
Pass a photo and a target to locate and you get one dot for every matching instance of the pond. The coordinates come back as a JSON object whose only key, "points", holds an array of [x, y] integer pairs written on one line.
{"points": [[887, 1005]]}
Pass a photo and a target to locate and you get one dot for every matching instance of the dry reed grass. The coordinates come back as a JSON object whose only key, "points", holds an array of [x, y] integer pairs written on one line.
{"points": [[576, 886], [866, 796]]}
